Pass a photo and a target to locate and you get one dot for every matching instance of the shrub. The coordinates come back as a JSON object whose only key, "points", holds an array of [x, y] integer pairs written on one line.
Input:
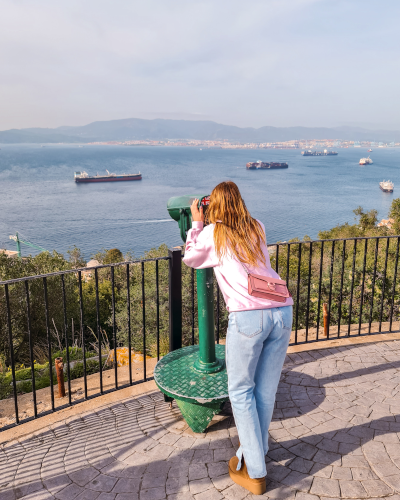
{"points": [[5, 387], [75, 353]]}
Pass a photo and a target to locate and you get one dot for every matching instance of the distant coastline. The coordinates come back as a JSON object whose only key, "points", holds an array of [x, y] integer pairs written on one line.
{"points": [[160, 130]]}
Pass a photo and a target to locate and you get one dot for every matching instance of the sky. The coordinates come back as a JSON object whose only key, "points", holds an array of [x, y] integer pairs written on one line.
{"points": [[246, 63]]}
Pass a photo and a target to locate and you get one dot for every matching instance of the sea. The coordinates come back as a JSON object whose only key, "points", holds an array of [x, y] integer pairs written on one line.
{"points": [[40, 200]]}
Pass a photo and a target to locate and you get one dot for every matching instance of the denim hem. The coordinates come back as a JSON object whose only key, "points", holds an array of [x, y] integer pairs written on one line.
{"points": [[239, 454]]}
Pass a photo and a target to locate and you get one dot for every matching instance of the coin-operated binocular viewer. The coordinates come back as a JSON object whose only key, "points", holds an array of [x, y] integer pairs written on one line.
{"points": [[195, 376]]}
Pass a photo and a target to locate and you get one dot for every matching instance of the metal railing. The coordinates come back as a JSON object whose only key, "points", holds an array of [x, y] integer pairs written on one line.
{"points": [[149, 306], [353, 279], [36, 308]]}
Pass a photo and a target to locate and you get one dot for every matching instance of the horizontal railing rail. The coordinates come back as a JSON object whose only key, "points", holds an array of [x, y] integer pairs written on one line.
{"points": [[80, 269], [110, 323], [297, 242]]}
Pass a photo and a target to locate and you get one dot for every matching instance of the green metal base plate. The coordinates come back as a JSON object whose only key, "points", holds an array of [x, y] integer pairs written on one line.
{"points": [[199, 396], [198, 416]]}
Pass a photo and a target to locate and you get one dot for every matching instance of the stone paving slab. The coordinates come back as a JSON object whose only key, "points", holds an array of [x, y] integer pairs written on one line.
{"points": [[335, 434]]}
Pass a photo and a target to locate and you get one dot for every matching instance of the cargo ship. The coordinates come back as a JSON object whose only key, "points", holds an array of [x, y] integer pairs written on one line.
{"points": [[386, 186], [366, 161], [261, 165], [325, 152], [85, 177]]}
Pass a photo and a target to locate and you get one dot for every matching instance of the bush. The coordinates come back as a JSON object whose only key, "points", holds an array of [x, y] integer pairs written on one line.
{"points": [[5, 388], [24, 382], [92, 366], [75, 353], [26, 373], [42, 374]]}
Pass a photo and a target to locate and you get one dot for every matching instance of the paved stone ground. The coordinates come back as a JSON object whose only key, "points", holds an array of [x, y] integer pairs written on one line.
{"points": [[335, 435]]}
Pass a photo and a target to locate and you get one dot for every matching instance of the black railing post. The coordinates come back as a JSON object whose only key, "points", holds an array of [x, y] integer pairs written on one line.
{"points": [[66, 338], [298, 292], [114, 323], [175, 298], [158, 312], [10, 340], [308, 291], [128, 312], [394, 284], [32, 361], [46, 305], [82, 334], [341, 287], [144, 322]]}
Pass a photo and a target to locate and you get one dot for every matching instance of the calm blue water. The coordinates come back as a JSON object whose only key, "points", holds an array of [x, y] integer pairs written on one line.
{"points": [[40, 200]]}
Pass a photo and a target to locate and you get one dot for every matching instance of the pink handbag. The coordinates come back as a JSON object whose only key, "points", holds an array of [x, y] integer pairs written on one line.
{"points": [[264, 287]]}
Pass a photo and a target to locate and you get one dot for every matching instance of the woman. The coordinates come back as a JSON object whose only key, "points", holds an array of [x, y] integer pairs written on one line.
{"points": [[259, 329]]}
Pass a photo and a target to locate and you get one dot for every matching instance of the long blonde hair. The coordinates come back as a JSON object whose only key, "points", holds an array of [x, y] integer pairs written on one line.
{"points": [[235, 229]]}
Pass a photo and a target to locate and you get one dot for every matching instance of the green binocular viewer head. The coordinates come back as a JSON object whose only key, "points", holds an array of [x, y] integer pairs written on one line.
{"points": [[179, 209]]}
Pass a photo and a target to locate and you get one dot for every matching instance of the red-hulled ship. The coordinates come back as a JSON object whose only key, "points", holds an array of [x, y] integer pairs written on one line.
{"points": [[85, 177]]}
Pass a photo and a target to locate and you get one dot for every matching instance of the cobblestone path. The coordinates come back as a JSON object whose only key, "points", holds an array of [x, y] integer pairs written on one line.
{"points": [[335, 435]]}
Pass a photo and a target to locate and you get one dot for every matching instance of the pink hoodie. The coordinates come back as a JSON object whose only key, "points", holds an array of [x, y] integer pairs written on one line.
{"points": [[232, 278]]}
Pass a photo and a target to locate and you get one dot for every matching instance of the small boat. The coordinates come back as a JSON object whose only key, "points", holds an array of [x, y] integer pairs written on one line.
{"points": [[369, 151], [386, 186], [366, 161]]}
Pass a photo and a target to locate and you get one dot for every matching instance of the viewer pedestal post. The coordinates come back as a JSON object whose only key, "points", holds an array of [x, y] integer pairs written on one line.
{"points": [[194, 376], [207, 361]]}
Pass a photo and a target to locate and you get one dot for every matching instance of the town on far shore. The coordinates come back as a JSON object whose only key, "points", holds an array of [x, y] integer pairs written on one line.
{"points": [[225, 144]]}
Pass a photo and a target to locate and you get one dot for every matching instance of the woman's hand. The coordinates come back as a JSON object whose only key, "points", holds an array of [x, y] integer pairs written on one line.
{"points": [[197, 215]]}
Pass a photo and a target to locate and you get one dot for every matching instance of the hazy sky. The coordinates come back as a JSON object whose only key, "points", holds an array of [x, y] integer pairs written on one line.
{"points": [[240, 62]]}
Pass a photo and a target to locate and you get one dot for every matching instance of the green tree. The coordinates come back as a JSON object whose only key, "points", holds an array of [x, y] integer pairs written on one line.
{"points": [[394, 213], [113, 256], [12, 268], [368, 220], [89, 304], [76, 258]]}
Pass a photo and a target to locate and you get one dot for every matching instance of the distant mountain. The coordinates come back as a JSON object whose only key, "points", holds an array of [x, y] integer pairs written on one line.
{"points": [[136, 128]]}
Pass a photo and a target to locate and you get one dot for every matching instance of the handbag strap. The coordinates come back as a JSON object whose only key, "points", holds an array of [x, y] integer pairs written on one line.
{"points": [[245, 268]]}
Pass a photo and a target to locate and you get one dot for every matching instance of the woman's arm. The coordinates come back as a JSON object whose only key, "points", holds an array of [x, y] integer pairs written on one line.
{"points": [[200, 251]]}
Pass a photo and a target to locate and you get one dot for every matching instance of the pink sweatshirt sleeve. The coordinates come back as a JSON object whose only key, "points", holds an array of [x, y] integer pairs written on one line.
{"points": [[200, 250]]}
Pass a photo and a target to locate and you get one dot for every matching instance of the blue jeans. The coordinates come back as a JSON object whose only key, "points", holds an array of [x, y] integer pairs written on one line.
{"points": [[256, 347]]}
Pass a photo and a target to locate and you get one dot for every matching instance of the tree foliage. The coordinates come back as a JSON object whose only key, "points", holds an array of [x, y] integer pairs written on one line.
{"points": [[113, 256], [394, 213], [367, 220]]}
